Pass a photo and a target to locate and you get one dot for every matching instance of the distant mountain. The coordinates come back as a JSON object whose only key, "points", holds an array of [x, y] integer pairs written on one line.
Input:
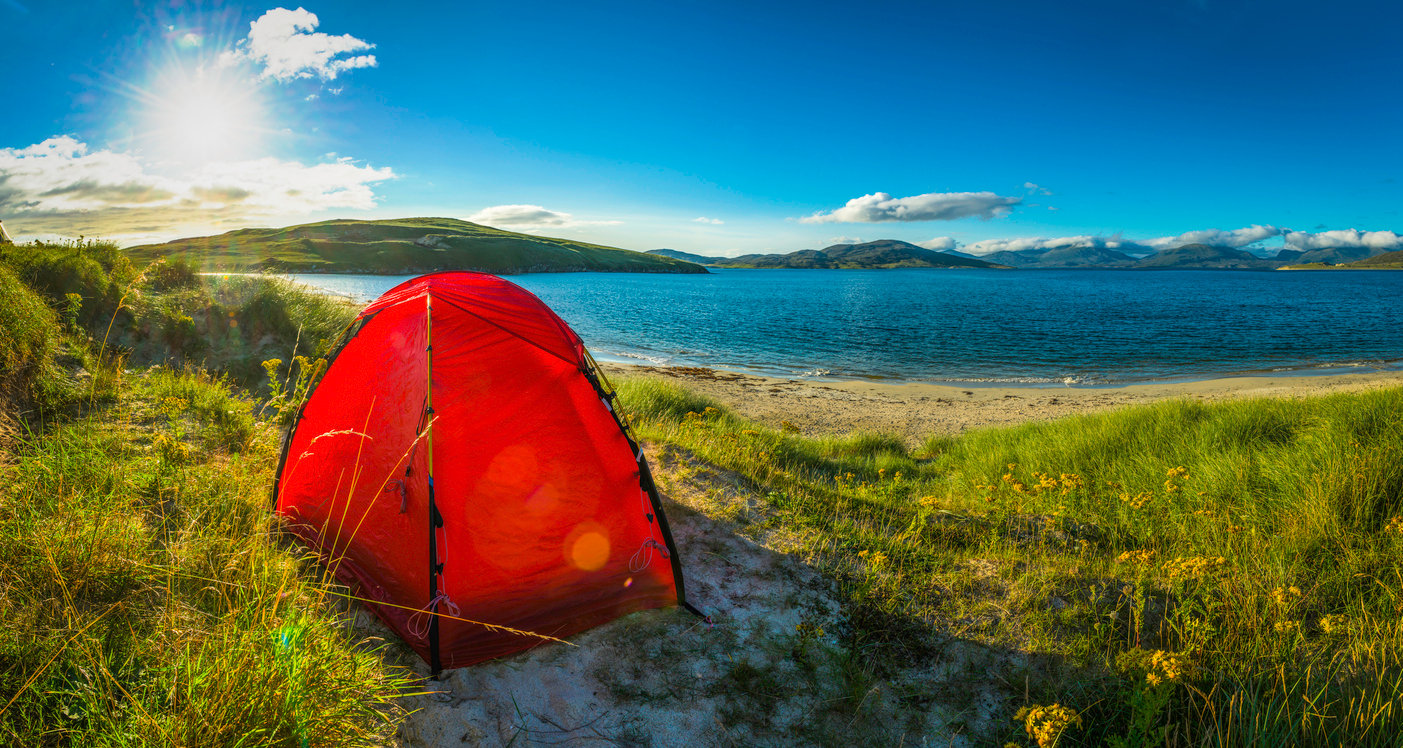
{"points": [[885, 253], [1204, 256], [1328, 255], [403, 246], [678, 254], [1062, 257]]}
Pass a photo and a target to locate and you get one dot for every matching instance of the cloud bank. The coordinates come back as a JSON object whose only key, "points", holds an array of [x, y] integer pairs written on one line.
{"points": [[63, 187], [286, 44], [1236, 238], [530, 216], [881, 207], [939, 243], [1304, 240]]}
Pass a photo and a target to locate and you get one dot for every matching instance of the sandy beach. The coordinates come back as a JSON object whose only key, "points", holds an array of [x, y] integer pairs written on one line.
{"points": [[917, 410]]}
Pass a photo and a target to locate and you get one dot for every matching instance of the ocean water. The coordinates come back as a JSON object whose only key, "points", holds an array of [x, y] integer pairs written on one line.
{"points": [[1034, 327]]}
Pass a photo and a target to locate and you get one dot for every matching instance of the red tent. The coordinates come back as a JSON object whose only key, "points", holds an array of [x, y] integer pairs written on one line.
{"points": [[462, 456]]}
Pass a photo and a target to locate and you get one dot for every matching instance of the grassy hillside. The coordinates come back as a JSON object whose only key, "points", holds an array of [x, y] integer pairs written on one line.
{"points": [[146, 595], [402, 246], [1173, 574], [1388, 260]]}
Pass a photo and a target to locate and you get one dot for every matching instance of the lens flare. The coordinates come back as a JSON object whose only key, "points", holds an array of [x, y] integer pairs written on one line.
{"points": [[587, 548], [201, 113]]}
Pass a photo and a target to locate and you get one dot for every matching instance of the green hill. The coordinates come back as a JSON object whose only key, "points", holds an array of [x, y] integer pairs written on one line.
{"points": [[402, 246], [882, 254], [1388, 260]]}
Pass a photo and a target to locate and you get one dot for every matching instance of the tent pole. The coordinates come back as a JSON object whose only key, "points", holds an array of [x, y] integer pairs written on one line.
{"points": [[434, 520]]}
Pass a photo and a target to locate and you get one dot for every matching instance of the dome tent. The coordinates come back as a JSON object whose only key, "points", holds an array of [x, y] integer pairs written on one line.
{"points": [[461, 458]]}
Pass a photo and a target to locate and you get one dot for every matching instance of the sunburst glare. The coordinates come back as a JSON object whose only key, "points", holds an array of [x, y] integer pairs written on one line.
{"points": [[200, 114]]}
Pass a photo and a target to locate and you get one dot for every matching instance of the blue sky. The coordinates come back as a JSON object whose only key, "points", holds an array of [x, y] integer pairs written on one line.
{"points": [[780, 126]]}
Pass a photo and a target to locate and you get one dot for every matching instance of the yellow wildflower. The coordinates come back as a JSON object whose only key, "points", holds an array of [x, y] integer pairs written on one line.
{"points": [[1285, 595], [929, 501], [1137, 557], [1194, 567], [1045, 724], [1287, 627], [1395, 525], [1328, 623], [1164, 666], [1138, 501]]}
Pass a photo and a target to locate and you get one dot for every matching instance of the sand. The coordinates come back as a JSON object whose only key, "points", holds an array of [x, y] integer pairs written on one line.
{"points": [[917, 410]]}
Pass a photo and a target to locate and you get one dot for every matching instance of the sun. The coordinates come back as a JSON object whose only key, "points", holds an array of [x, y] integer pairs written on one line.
{"points": [[202, 114]]}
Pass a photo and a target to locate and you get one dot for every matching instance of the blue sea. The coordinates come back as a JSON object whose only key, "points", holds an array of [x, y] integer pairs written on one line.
{"points": [[1031, 327]]}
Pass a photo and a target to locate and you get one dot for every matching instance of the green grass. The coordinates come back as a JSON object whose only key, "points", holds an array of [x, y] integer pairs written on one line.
{"points": [[402, 246], [146, 592], [1084, 546], [145, 596]]}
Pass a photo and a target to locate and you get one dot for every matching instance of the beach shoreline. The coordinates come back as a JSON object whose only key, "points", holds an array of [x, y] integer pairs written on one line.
{"points": [[916, 410]]}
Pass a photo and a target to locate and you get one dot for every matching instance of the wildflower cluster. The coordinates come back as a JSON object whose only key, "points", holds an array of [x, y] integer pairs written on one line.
{"points": [[874, 559], [1138, 501], [1045, 724], [1158, 666], [1194, 567], [1395, 525], [1328, 623], [1175, 474], [1284, 596], [695, 417], [1164, 666], [1140, 557], [1287, 627], [807, 630]]}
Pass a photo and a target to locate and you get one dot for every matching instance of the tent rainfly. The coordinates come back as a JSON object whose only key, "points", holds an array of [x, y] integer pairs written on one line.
{"points": [[461, 465], [5, 235]]}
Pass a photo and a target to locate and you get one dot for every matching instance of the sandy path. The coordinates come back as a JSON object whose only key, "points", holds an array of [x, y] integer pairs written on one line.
{"points": [[917, 410]]}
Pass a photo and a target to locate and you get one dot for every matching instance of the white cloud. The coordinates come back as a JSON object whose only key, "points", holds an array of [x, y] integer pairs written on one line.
{"points": [[1036, 189], [286, 44], [933, 206], [1217, 238], [939, 243], [704, 219], [1304, 240], [63, 187], [1019, 244], [1236, 238], [530, 216], [830, 241]]}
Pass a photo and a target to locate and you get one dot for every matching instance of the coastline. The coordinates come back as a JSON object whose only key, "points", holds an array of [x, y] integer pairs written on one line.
{"points": [[917, 410]]}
